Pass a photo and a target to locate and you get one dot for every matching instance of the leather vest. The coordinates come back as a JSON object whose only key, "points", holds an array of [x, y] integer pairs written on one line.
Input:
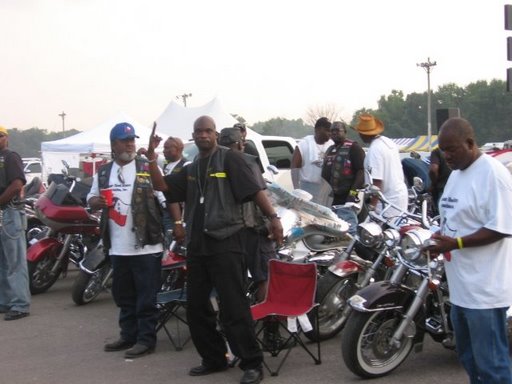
{"points": [[223, 214], [339, 175], [3, 173], [147, 218]]}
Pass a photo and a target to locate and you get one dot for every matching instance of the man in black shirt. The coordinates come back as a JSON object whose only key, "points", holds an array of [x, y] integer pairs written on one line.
{"points": [[213, 187], [14, 285], [343, 169]]}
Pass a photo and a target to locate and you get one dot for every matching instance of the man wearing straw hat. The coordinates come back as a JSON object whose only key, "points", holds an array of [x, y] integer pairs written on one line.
{"points": [[383, 163]]}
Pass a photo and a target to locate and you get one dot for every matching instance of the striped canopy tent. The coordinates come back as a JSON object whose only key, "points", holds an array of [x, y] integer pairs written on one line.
{"points": [[420, 144], [403, 142]]}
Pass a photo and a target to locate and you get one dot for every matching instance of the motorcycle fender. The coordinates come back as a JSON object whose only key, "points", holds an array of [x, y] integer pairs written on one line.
{"points": [[345, 268], [37, 250], [381, 296], [94, 260]]}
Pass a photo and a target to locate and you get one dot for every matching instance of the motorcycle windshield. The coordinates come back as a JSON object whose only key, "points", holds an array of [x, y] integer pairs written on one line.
{"points": [[310, 214]]}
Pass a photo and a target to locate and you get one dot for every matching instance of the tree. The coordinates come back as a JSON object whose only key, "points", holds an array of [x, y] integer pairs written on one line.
{"points": [[331, 111], [486, 105], [28, 142], [279, 126]]}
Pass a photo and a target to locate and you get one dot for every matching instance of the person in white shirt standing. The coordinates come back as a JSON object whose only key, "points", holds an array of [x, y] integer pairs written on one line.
{"points": [[172, 212], [308, 159], [475, 237], [131, 231], [383, 164]]}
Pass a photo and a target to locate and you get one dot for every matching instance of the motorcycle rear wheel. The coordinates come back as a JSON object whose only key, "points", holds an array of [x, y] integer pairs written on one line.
{"points": [[332, 295], [365, 343], [87, 287], [40, 273]]}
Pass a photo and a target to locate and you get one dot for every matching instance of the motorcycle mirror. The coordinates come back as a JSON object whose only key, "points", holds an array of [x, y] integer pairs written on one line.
{"points": [[374, 189], [418, 183], [272, 169]]}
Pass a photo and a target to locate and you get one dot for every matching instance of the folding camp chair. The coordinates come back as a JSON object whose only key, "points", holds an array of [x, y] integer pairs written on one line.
{"points": [[290, 297], [171, 305], [172, 299]]}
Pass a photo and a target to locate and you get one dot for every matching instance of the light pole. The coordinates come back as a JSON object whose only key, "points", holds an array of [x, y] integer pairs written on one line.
{"points": [[427, 66], [184, 98], [63, 115]]}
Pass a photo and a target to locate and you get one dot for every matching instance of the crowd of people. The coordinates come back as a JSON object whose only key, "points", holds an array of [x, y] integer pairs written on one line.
{"points": [[217, 205]]}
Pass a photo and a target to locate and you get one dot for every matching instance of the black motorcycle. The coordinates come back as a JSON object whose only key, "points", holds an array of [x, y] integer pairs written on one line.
{"points": [[391, 317], [94, 276]]}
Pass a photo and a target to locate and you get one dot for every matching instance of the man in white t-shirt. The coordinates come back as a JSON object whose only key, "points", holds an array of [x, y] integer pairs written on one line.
{"points": [[475, 209], [308, 159], [131, 231], [172, 214], [383, 164]]}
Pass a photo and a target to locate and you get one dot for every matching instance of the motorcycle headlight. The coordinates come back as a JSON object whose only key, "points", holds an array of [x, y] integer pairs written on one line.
{"points": [[391, 237], [370, 234], [412, 244]]}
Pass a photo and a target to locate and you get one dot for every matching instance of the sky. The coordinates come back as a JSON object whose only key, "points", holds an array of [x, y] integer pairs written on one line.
{"points": [[263, 59]]}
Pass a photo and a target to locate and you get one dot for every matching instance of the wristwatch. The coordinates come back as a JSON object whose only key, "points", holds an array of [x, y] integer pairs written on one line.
{"points": [[273, 216]]}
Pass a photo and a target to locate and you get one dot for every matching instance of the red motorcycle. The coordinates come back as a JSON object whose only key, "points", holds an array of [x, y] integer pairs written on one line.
{"points": [[72, 231]]}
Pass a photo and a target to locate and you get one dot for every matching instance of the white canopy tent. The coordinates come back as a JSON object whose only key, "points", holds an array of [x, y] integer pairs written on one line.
{"points": [[93, 145], [178, 121]]}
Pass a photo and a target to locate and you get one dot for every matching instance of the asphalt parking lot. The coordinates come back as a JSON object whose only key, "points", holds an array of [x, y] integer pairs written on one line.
{"points": [[63, 343]]}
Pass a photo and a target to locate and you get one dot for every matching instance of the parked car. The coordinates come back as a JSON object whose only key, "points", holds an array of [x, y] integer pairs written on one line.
{"points": [[32, 167]]}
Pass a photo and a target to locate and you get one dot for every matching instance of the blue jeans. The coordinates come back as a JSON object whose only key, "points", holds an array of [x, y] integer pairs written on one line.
{"points": [[482, 344], [349, 215], [14, 287], [135, 283]]}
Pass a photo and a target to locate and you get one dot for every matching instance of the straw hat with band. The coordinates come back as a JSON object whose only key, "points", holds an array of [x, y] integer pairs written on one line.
{"points": [[369, 125]]}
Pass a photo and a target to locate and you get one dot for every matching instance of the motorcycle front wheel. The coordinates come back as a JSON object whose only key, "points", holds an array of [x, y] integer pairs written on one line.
{"points": [[87, 287], [331, 295], [40, 274], [366, 347]]}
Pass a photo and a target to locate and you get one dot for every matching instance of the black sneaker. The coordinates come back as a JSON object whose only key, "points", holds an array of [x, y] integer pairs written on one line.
{"points": [[15, 315], [118, 345]]}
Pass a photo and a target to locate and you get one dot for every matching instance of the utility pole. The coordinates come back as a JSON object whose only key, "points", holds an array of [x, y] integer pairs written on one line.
{"points": [[63, 115], [184, 98], [427, 66]]}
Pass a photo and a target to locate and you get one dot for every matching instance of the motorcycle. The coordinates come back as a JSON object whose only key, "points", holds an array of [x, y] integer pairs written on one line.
{"points": [[93, 277], [368, 257], [95, 274], [391, 317], [35, 228], [312, 232], [72, 231]]}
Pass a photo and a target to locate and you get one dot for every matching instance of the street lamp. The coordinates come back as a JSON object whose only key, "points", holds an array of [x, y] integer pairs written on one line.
{"points": [[427, 66], [63, 115], [184, 98]]}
